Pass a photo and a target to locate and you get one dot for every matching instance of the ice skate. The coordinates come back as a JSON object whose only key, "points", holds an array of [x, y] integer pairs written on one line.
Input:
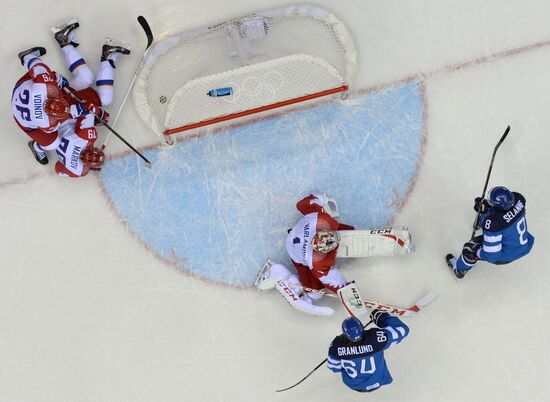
{"points": [[40, 156], [34, 51], [64, 32], [112, 49], [451, 263]]}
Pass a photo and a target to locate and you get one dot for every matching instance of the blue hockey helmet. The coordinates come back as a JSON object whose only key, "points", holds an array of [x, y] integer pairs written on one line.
{"points": [[500, 197], [352, 328]]}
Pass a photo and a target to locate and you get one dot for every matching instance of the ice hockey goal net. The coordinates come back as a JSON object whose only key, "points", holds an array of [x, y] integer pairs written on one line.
{"points": [[260, 62]]}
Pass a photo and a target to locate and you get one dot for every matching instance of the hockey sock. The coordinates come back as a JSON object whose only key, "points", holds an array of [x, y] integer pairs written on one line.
{"points": [[31, 60], [104, 82], [83, 77]]}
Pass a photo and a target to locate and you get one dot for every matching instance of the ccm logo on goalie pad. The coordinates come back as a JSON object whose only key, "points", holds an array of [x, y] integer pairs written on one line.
{"points": [[388, 233], [355, 298], [381, 231], [287, 290]]}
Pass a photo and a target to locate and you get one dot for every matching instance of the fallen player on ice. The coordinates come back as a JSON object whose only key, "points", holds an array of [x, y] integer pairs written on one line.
{"points": [[51, 117]]}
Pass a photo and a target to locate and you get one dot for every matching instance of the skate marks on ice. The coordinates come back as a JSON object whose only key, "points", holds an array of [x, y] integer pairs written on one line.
{"points": [[219, 204]]}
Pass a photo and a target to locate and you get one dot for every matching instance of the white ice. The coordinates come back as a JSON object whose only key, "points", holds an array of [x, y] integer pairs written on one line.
{"points": [[88, 314]]}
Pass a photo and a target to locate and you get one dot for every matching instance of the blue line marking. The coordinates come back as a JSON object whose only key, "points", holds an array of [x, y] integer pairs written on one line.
{"points": [[219, 205]]}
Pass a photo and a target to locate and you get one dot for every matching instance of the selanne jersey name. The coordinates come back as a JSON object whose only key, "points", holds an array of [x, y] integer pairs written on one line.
{"points": [[518, 207], [497, 220]]}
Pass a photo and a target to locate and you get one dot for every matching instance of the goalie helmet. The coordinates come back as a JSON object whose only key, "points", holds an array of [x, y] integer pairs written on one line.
{"points": [[92, 158], [352, 329], [325, 241], [57, 108], [501, 198]]}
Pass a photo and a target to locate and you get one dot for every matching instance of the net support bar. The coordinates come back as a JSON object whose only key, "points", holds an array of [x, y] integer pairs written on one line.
{"points": [[260, 109]]}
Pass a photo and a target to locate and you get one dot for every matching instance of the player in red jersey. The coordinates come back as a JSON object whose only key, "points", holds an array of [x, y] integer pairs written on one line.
{"points": [[312, 244], [51, 117]]}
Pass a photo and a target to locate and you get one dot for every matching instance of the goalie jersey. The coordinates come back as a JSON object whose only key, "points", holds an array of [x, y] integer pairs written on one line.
{"points": [[362, 364]]}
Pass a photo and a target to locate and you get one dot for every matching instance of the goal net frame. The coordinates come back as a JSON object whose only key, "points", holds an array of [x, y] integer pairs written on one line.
{"points": [[296, 72]]}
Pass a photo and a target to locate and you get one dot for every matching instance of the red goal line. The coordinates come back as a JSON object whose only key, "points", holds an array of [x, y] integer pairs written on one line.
{"points": [[256, 110]]}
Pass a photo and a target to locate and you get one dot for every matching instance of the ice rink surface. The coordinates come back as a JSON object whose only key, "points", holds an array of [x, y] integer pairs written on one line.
{"points": [[95, 307]]}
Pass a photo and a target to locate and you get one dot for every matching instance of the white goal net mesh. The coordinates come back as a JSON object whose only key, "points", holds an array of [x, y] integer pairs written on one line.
{"points": [[255, 63]]}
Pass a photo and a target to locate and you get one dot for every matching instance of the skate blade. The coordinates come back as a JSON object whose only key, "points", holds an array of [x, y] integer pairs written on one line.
{"points": [[117, 42], [63, 24], [450, 267]]}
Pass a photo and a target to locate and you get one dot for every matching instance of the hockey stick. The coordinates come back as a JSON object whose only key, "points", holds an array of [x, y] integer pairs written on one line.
{"points": [[476, 221], [312, 371], [147, 29], [391, 309], [77, 99]]}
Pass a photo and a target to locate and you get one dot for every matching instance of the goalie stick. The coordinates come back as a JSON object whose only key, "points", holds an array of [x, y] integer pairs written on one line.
{"points": [[389, 308], [476, 221], [312, 371], [147, 29]]}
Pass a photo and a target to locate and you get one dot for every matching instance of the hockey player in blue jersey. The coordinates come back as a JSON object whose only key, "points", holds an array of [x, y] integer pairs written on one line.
{"points": [[505, 236], [358, 354]]}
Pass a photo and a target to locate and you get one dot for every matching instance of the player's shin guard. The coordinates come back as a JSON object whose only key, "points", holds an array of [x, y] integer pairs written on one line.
{"points": [[83, 77], [104, 83]]}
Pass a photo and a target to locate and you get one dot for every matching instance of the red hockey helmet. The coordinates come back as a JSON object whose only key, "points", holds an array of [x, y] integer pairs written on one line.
{"points": [[92, 158], [57, 108], [325, 241]]}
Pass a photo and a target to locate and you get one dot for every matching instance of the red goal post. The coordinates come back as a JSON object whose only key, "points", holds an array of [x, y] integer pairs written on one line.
{"points": [[263, 61]]}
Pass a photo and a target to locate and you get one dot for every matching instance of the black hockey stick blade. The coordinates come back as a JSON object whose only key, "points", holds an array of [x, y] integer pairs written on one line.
{"points": [[147, 29], [503, 136]]}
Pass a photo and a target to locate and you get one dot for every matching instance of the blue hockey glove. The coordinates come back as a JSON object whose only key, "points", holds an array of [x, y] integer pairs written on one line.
{"points": [[77, 110], [470, 249], [62, 82], [378, 317]]}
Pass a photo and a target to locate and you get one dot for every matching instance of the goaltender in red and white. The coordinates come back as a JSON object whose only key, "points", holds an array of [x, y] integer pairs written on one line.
{"points": [[312, 244], [51, 117]]}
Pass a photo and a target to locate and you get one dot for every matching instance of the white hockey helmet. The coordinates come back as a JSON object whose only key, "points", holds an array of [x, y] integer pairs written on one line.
{"points": [[325, 241]]}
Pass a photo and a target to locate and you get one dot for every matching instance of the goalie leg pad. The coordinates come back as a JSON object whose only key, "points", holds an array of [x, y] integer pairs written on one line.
{"points": [[300, 301], [375, 242], [270, 274]]}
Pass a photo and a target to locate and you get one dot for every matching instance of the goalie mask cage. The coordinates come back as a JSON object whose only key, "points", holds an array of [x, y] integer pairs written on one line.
{"points": [[269, 59]]}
